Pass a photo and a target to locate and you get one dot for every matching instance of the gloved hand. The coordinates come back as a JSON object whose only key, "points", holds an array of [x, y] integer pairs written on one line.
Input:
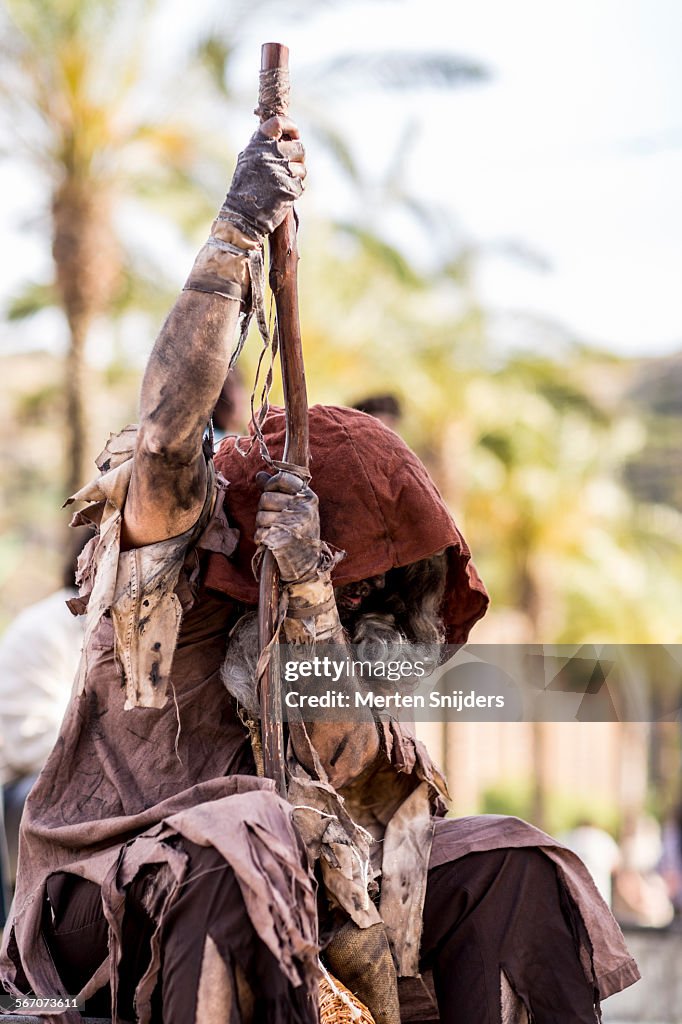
{"points": [[268, 178], [288, 523]]}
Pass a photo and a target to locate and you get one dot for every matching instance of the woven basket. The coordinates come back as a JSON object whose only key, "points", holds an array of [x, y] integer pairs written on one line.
{"points": [[335, 1008]]}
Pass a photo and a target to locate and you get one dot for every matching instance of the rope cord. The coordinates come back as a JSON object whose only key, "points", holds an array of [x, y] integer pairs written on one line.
{"points": [[273, 93], [269, 334]]}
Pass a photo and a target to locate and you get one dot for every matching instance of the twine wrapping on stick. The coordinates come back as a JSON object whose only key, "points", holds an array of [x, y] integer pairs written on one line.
{"points": [[273, 93]]}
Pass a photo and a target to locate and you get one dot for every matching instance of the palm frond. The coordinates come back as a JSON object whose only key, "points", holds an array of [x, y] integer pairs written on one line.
{"points": [[382, 253], [336, 145], [549, 379], [214, 52], [32, 299]]}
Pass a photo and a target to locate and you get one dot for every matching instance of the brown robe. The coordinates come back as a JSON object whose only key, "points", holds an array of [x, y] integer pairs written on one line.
{"points": [[152, 743]]}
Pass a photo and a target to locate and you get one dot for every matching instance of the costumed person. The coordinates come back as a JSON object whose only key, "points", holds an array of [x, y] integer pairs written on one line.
{"points": [[160, 876]]}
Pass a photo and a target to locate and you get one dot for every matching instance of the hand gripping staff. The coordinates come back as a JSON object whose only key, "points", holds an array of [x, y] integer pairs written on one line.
{"points": [[273, 98]]}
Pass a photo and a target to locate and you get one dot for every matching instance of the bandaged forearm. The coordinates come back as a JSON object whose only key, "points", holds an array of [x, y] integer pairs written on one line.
{"points": [[312, 615], [221, 266]]}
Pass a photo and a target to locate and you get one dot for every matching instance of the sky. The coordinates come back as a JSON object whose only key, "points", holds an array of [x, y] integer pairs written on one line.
{"points": [[571, 152]]}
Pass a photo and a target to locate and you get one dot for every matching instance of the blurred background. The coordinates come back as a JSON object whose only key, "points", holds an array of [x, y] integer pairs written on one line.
{"points": [[491, 246]]}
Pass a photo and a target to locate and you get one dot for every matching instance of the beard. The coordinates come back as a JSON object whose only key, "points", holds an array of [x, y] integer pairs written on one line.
{"points": [[375, 637], [405, 609]]}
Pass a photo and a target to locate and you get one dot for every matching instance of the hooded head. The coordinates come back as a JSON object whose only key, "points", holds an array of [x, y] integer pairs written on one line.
{"points": [[377, 503]]}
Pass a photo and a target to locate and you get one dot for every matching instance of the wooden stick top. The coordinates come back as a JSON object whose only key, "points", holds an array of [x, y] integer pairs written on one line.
{"points": [[273, 91], [274, 55]]}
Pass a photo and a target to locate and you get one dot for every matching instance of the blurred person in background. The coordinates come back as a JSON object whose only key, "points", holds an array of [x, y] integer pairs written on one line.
{"points": [[598, 851], [640, 895], [670, 864], [386, 408], [231, 412], [671, 857], [39, 656]]}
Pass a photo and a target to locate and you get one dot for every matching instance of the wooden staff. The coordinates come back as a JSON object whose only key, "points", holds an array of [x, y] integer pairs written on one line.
{"points": [[273, 98]]}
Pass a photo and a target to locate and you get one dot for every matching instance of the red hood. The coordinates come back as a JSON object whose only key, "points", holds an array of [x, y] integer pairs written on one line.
{"points": [[377, 503]]}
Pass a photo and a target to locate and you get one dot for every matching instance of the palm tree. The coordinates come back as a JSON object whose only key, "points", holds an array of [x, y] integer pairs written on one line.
{"points": [[553, 522], [73, 84]]}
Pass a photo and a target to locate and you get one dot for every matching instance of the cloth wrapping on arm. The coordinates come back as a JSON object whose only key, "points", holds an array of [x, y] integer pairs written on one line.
{"points": [[311, 612], [221, 267]]}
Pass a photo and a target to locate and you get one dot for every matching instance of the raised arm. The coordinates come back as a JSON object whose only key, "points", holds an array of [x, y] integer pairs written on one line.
{"points": [[189, 361]]}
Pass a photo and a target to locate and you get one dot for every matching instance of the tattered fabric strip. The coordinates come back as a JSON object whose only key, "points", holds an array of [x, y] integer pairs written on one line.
{"points": [[136, 587]]}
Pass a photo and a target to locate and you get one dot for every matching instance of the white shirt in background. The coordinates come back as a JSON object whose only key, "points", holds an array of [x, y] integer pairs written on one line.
{"points": [[39, 655]]}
